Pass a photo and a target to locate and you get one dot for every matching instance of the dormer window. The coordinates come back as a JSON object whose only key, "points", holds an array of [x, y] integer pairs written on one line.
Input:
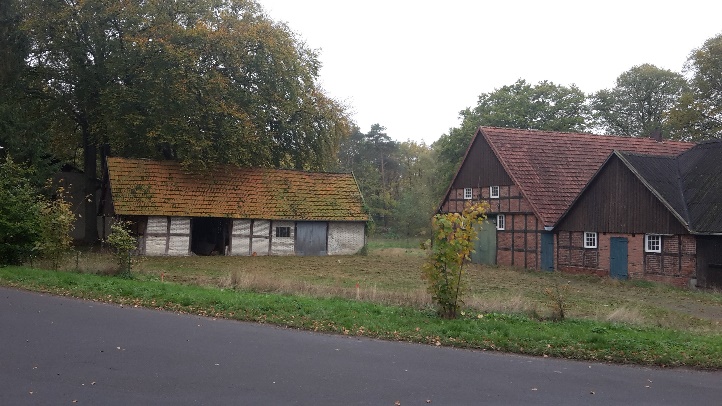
{"points": [[494, 192], [468, 193]]}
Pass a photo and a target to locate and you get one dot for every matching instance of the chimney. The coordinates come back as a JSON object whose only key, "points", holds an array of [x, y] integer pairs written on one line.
{"points": [[656, 134]]}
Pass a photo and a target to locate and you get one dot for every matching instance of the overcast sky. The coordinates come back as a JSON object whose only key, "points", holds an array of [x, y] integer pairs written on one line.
{"points": [[411, 66]]}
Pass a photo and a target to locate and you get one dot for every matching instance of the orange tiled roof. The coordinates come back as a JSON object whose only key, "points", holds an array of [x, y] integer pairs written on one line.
{"points": [[164, 188], [551, 168]]}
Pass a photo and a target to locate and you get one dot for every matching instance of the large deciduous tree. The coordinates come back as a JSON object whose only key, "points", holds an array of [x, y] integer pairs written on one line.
{"points": [[698, 116], [639, 103], [198, 81]]}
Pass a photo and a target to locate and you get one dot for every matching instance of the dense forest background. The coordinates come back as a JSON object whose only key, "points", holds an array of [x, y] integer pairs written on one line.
{"points": [[217, 81]]}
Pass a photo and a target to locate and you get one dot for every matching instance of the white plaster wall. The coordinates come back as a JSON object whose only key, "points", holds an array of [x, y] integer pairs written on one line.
{"points": [[241, 237], [283, 245], [345, 238], [155, 245], [179, 245], [157, 225], [259, 243]]}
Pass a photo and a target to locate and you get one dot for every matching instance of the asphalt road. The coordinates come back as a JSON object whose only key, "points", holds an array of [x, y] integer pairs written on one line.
{"points": [[58, 351]]}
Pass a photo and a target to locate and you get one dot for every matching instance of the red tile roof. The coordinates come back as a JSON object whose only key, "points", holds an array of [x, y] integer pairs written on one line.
{"points": [[551, 168], [165, 188]]}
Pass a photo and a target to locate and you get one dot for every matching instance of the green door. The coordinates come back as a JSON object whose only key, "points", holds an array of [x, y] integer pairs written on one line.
{"points": [[618, 257], [485, 247]]}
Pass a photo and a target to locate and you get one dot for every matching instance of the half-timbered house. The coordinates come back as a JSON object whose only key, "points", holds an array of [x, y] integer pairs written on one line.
{"points": [[530, 178], [649, 217], [235, 211]]}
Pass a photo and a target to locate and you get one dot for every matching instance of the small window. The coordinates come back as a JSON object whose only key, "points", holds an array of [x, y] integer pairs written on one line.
{"points": [[283, 231], [652, 243], [468, 193], [500, 222], [494, 192], [590, 240]]}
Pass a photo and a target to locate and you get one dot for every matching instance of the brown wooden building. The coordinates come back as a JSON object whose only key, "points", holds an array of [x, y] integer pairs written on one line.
{"points": [[235, 211], [649, 217], [530, 178]]}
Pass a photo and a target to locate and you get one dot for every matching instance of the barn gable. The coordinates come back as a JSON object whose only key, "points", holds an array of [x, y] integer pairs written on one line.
{"points": [[618, 200]]}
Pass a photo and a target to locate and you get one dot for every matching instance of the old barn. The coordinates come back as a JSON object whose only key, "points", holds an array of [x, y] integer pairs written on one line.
{"points": [[649, 217], [235, 211], [530, 178]]}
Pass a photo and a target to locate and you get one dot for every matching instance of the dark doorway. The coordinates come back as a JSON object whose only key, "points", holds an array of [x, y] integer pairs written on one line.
{"points": [[618, 258], [311, 238], [709, 261], [209, 236]]}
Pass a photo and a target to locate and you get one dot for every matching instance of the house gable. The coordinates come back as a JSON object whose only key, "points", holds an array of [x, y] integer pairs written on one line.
{"points": [[617, 201], [481, 168]]}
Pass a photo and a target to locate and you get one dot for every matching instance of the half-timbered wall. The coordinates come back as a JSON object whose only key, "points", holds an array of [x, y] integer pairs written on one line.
{"points": [[166, 236], [675, 265], [519, 244], [281, 245]]}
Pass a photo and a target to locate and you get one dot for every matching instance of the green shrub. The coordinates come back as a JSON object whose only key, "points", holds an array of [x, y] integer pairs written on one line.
{"points": [[19, 213], [123, 244], [56, 222], [453, 237]]}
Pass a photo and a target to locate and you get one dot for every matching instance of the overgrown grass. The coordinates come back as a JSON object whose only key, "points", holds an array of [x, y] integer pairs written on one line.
{"points": [[577, 339]]}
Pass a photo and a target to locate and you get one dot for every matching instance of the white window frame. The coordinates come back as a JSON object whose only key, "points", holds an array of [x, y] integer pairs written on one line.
{"points": [[494, 192], [468, 193], [500, 222], [591, 239], [282, 230], [653, 243]]}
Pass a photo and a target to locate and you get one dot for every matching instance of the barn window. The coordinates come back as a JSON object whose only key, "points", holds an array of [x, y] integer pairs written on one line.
{"points": [[652, 243], [590, 239], [500, 222], [468, 194], [283, 231], [494, 192]]}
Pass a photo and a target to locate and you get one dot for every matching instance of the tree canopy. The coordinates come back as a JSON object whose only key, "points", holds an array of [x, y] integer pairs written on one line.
{"points": [[544, 106], [197, 81], [698, 115], [638, 104]]}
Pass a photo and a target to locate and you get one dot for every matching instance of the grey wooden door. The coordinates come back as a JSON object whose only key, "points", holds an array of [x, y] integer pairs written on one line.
{"points": [[485, 246], [311, 238]]}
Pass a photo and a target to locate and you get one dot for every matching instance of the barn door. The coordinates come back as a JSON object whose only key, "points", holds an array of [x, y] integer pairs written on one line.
{"points": [[547, 251], [485, 246], [311, 238], [618, 257]]}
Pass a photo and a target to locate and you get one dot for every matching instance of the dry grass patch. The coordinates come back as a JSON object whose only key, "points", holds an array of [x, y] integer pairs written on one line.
{"points": [[392, 275]]}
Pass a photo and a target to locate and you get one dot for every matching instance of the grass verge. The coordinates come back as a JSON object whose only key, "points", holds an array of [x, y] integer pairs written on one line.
{"points": [[575, 339]]}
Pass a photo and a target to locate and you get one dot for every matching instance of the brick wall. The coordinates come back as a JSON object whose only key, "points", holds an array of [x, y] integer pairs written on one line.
{"points": [[675, 265], [345, 238]]}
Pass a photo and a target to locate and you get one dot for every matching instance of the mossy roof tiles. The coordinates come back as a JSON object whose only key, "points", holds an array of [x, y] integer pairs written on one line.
{"points": [[165, 188]]}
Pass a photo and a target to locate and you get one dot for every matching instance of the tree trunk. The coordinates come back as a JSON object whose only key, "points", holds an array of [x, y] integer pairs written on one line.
{"points": [[90, 168]]}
